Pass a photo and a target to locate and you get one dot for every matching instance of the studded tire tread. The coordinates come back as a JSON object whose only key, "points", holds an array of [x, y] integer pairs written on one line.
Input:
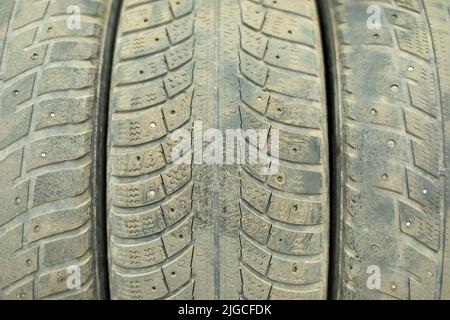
{"points": [[50, 81], [392, 116], [213, 231]]}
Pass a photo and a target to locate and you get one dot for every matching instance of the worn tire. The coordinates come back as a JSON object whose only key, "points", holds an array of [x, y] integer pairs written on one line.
{"points": [[50, 106], [392, 123], [213, 231]]}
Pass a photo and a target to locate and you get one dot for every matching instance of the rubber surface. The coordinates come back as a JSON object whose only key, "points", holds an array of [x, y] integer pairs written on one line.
{"points": [[392, 121], [217, 231], [49, 100]]}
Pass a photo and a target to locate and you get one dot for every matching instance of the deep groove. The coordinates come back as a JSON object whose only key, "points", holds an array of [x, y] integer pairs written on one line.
{"points": [[216, 197], [329, 59], [101, 150]]}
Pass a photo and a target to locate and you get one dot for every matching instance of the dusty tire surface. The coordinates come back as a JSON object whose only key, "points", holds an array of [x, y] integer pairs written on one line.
{"points": [[392, 116], [224, 149], [217, 231], [49, 104]]}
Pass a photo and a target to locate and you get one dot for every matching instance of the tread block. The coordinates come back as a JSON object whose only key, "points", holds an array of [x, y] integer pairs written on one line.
{"points": [[22, 290], [426, 152], [66, 248], [58, 112], [69, 183], [181, 7], [296, 181], [180, 29], [178, 271], [71, 50], [176, 177], [15, 264], [257, 196], [45, 225], [373, 112], [143, 43], [26, 14], [178, 238], [425, 270], [16, 126], [58, 29], [253, 15], [66, 78], [299, 148], [294, 113], [417, 42], [298, 8], [278, 293], [86, 7], [55, 281], [138, 194], [254, 255], [138, 128], [16, 93], [251, 120], [178, 111], [144, 286], [291, 271], [146, 15], [254, 225], [292, 57], [141, 69], [305, 87], [253, 69], [179, 80], [85, 293], [284, 26], [253, 43], [22, 49], [58, 149], [180, 54], [420, 226], [139, 255], [380, 173], [178, 206], [13, 202], [9, 168], [17, 267], [137, 163], [254, 96], [254, 287], [140, 97], [294, 211], [138, 225], [294, 242]]}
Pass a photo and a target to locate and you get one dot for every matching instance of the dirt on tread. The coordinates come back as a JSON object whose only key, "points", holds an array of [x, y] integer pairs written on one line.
{"points": [[392, 115], [213, 231], [49, 99]]}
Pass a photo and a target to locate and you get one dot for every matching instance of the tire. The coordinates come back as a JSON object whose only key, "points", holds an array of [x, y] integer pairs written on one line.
{"points": [[391, 116], [50, 101], [217, 231]]}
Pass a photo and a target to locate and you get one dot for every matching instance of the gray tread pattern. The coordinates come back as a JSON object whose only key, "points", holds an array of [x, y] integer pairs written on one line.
{"points": [[49, 84], [393, 113], [150, 213], [284, 218], [212, 60]]}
